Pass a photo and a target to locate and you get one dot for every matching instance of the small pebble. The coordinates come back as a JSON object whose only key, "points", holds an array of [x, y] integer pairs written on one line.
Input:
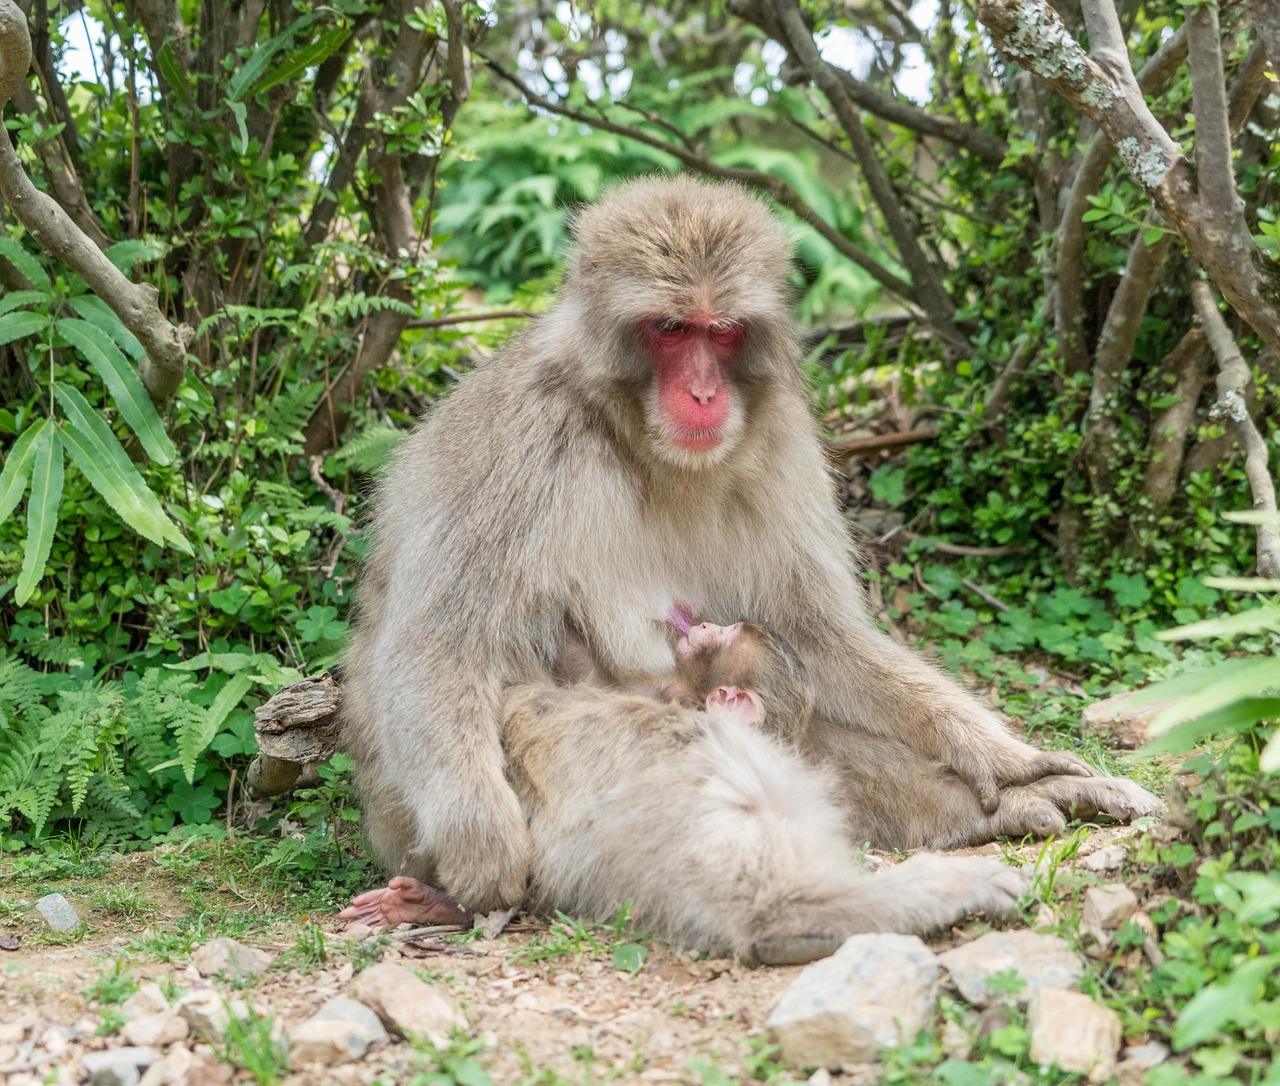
{"points": [[58, 913]]}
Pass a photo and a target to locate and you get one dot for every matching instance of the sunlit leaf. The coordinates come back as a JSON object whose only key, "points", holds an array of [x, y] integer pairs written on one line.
{"points": [[42, 509], [1255, 677], [1226, 626]]}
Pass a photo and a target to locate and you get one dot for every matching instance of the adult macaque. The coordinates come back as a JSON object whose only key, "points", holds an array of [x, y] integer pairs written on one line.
{"points": [[646, 440]]}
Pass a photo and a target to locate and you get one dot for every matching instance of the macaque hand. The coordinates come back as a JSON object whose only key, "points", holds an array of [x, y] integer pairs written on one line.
{"points": [[990, 764]]}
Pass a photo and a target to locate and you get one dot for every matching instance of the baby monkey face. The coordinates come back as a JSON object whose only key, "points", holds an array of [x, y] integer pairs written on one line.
{"points": [[732, 648]]}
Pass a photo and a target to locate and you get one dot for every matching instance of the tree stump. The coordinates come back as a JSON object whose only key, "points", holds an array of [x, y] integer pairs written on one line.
{"points": [[298, 726]]}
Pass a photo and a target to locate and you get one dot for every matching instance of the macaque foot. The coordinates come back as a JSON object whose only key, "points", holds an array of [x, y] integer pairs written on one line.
{"points": [[1042, 808], [404, 901], [1017, 764]]}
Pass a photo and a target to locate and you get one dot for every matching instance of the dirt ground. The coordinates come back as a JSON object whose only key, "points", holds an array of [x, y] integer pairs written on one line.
{"points": [[570, 1017]]}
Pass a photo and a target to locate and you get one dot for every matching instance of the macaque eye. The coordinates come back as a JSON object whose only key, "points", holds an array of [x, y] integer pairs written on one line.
{"points": [[727, 331], [672, 327]]}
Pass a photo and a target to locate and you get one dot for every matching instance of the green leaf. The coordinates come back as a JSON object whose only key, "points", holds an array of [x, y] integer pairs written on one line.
{"points": [[307, 57], [173, 72], [1244, 584], [1223, 1002], [1229, 720], [1255, 678], [228, 698], [42, 510], [16, 255], [21, 324], [1254, 516], [256, 66], [124, 383], [109, 470], [101, 316], [16, 298], [629, 958], [17, 469], [1129, 590], [1254, 620]]}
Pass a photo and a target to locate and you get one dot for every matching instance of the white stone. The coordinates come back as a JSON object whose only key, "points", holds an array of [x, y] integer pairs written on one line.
{"points": [[1070, 1030], [156, 1030], [170, 1070], [208, 1013], [235, 961], [405, 1002], [117, 1066], [340, 1031], [1042, 961], [1110, 858], [147, 1000], [58, 912], [1107, 907], [876, 991]]}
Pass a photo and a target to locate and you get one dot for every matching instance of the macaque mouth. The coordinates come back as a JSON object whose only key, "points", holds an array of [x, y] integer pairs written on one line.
{"points": [[698, 440]]}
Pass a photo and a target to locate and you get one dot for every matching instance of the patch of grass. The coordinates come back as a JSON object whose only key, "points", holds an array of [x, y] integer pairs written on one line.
{"points": [[254, 1045], [122, 901], [308, 953], [114, 986], [455, 1063]]}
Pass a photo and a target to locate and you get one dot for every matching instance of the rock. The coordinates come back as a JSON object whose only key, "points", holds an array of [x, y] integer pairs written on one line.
{"points": [[227, 958], [209, 1072], [1072, 1031], [155, 1030], [208, 1013], [1107, 907], [12, 1033], [1042, 961], [405, 1002], [171, 1070], [874, 992], [147, 1000], [1152, 1054], [117, 1066], [340, 1031], [1120, 720], [955, 1041], [58, 913], [1110, 858]]}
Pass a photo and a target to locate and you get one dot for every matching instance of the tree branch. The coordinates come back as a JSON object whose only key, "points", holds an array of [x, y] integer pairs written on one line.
{"points": [[1234, 380], [778, 190], [1155, 76], [929, 290], [53, 229], [1032, 33], [1115, 351], [1182, 375], [1217, 180]]}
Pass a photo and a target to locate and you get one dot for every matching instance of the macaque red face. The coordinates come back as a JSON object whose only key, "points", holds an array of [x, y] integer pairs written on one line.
{"points": [[697, 406]]}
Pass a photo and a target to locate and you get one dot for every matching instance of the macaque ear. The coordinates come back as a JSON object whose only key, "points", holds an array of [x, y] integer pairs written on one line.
{"points": [[742, 703]]}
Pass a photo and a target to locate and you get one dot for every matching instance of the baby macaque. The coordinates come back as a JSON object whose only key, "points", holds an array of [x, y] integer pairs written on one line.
{"points": [[722, 837]]}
